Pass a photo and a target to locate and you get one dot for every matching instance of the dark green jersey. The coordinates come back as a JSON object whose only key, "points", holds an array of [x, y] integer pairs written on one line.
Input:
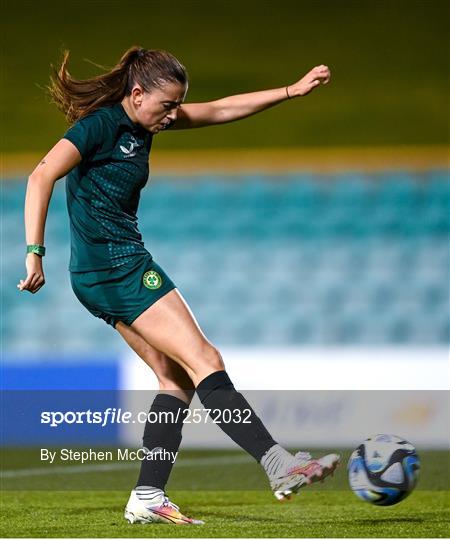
{"points": [[103, 191]]}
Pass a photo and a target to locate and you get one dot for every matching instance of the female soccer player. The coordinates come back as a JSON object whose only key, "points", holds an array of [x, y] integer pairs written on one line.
{"points": [[104, 154]]}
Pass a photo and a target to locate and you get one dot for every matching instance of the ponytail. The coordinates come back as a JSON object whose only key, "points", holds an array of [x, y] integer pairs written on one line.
{"points": [[149, 68]]}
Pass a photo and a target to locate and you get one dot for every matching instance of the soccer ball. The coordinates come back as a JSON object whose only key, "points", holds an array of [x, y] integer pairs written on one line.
{"points": [[383, 470]]}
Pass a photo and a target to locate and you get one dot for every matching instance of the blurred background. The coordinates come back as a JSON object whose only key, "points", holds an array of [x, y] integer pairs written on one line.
{"points": [[316, 231]]}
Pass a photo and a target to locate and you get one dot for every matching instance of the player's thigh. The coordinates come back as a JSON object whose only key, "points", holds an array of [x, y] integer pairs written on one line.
{"points": [[170, 327], [171, 376]]}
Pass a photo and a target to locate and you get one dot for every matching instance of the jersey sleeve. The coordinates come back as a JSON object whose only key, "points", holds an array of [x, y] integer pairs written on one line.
{"points": [[87, 134]]}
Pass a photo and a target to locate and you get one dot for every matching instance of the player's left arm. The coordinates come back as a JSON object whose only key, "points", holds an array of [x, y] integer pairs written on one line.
{"points": [[231, 108]]}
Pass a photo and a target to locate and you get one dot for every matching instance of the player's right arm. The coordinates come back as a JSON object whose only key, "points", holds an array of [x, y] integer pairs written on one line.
{"points": [[61, 159]]}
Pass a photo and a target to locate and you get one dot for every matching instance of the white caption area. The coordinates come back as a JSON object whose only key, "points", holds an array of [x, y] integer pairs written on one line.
{"points": [[348, 368]]}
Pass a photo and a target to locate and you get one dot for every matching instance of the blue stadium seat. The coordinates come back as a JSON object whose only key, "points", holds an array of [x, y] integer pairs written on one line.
{"points": [[275, 259]]}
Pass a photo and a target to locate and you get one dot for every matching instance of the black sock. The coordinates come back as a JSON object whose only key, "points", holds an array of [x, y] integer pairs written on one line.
{"points": [[165, 435], [217, 392]]}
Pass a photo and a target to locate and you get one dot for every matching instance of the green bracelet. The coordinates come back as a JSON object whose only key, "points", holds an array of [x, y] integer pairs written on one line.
{"points": [[36, 248]]}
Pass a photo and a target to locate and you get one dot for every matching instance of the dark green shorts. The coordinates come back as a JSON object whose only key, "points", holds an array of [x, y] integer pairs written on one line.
{"points": [[124, 292]]}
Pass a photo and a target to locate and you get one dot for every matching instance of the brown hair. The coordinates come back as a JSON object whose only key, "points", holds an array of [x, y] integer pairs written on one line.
{"points": [[149, 68]]}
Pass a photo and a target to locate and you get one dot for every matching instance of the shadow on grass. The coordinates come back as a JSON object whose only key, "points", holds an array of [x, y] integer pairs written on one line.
{"points": [[381, 521], [239, 518]]}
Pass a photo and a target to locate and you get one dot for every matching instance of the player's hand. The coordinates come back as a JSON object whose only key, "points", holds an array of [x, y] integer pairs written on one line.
{"points": [[35, 274], [318, 75]]}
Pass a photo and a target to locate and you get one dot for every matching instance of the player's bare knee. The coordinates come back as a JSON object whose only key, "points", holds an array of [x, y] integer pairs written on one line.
{"points": [[212, 359]]}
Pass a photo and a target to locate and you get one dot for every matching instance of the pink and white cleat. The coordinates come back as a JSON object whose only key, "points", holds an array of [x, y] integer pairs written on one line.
{"points": [[304, 472], [152, 506]]}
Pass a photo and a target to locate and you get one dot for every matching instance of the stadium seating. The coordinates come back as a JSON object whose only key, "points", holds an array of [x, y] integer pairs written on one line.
{"points": [[262, 259]]}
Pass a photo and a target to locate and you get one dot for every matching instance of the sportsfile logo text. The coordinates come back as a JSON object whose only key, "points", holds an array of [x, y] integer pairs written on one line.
{"points": [[111, 415]]}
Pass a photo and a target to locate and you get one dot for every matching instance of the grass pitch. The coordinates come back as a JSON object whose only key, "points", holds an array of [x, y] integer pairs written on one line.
{"points": [[226, 514], [328, 510]]}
